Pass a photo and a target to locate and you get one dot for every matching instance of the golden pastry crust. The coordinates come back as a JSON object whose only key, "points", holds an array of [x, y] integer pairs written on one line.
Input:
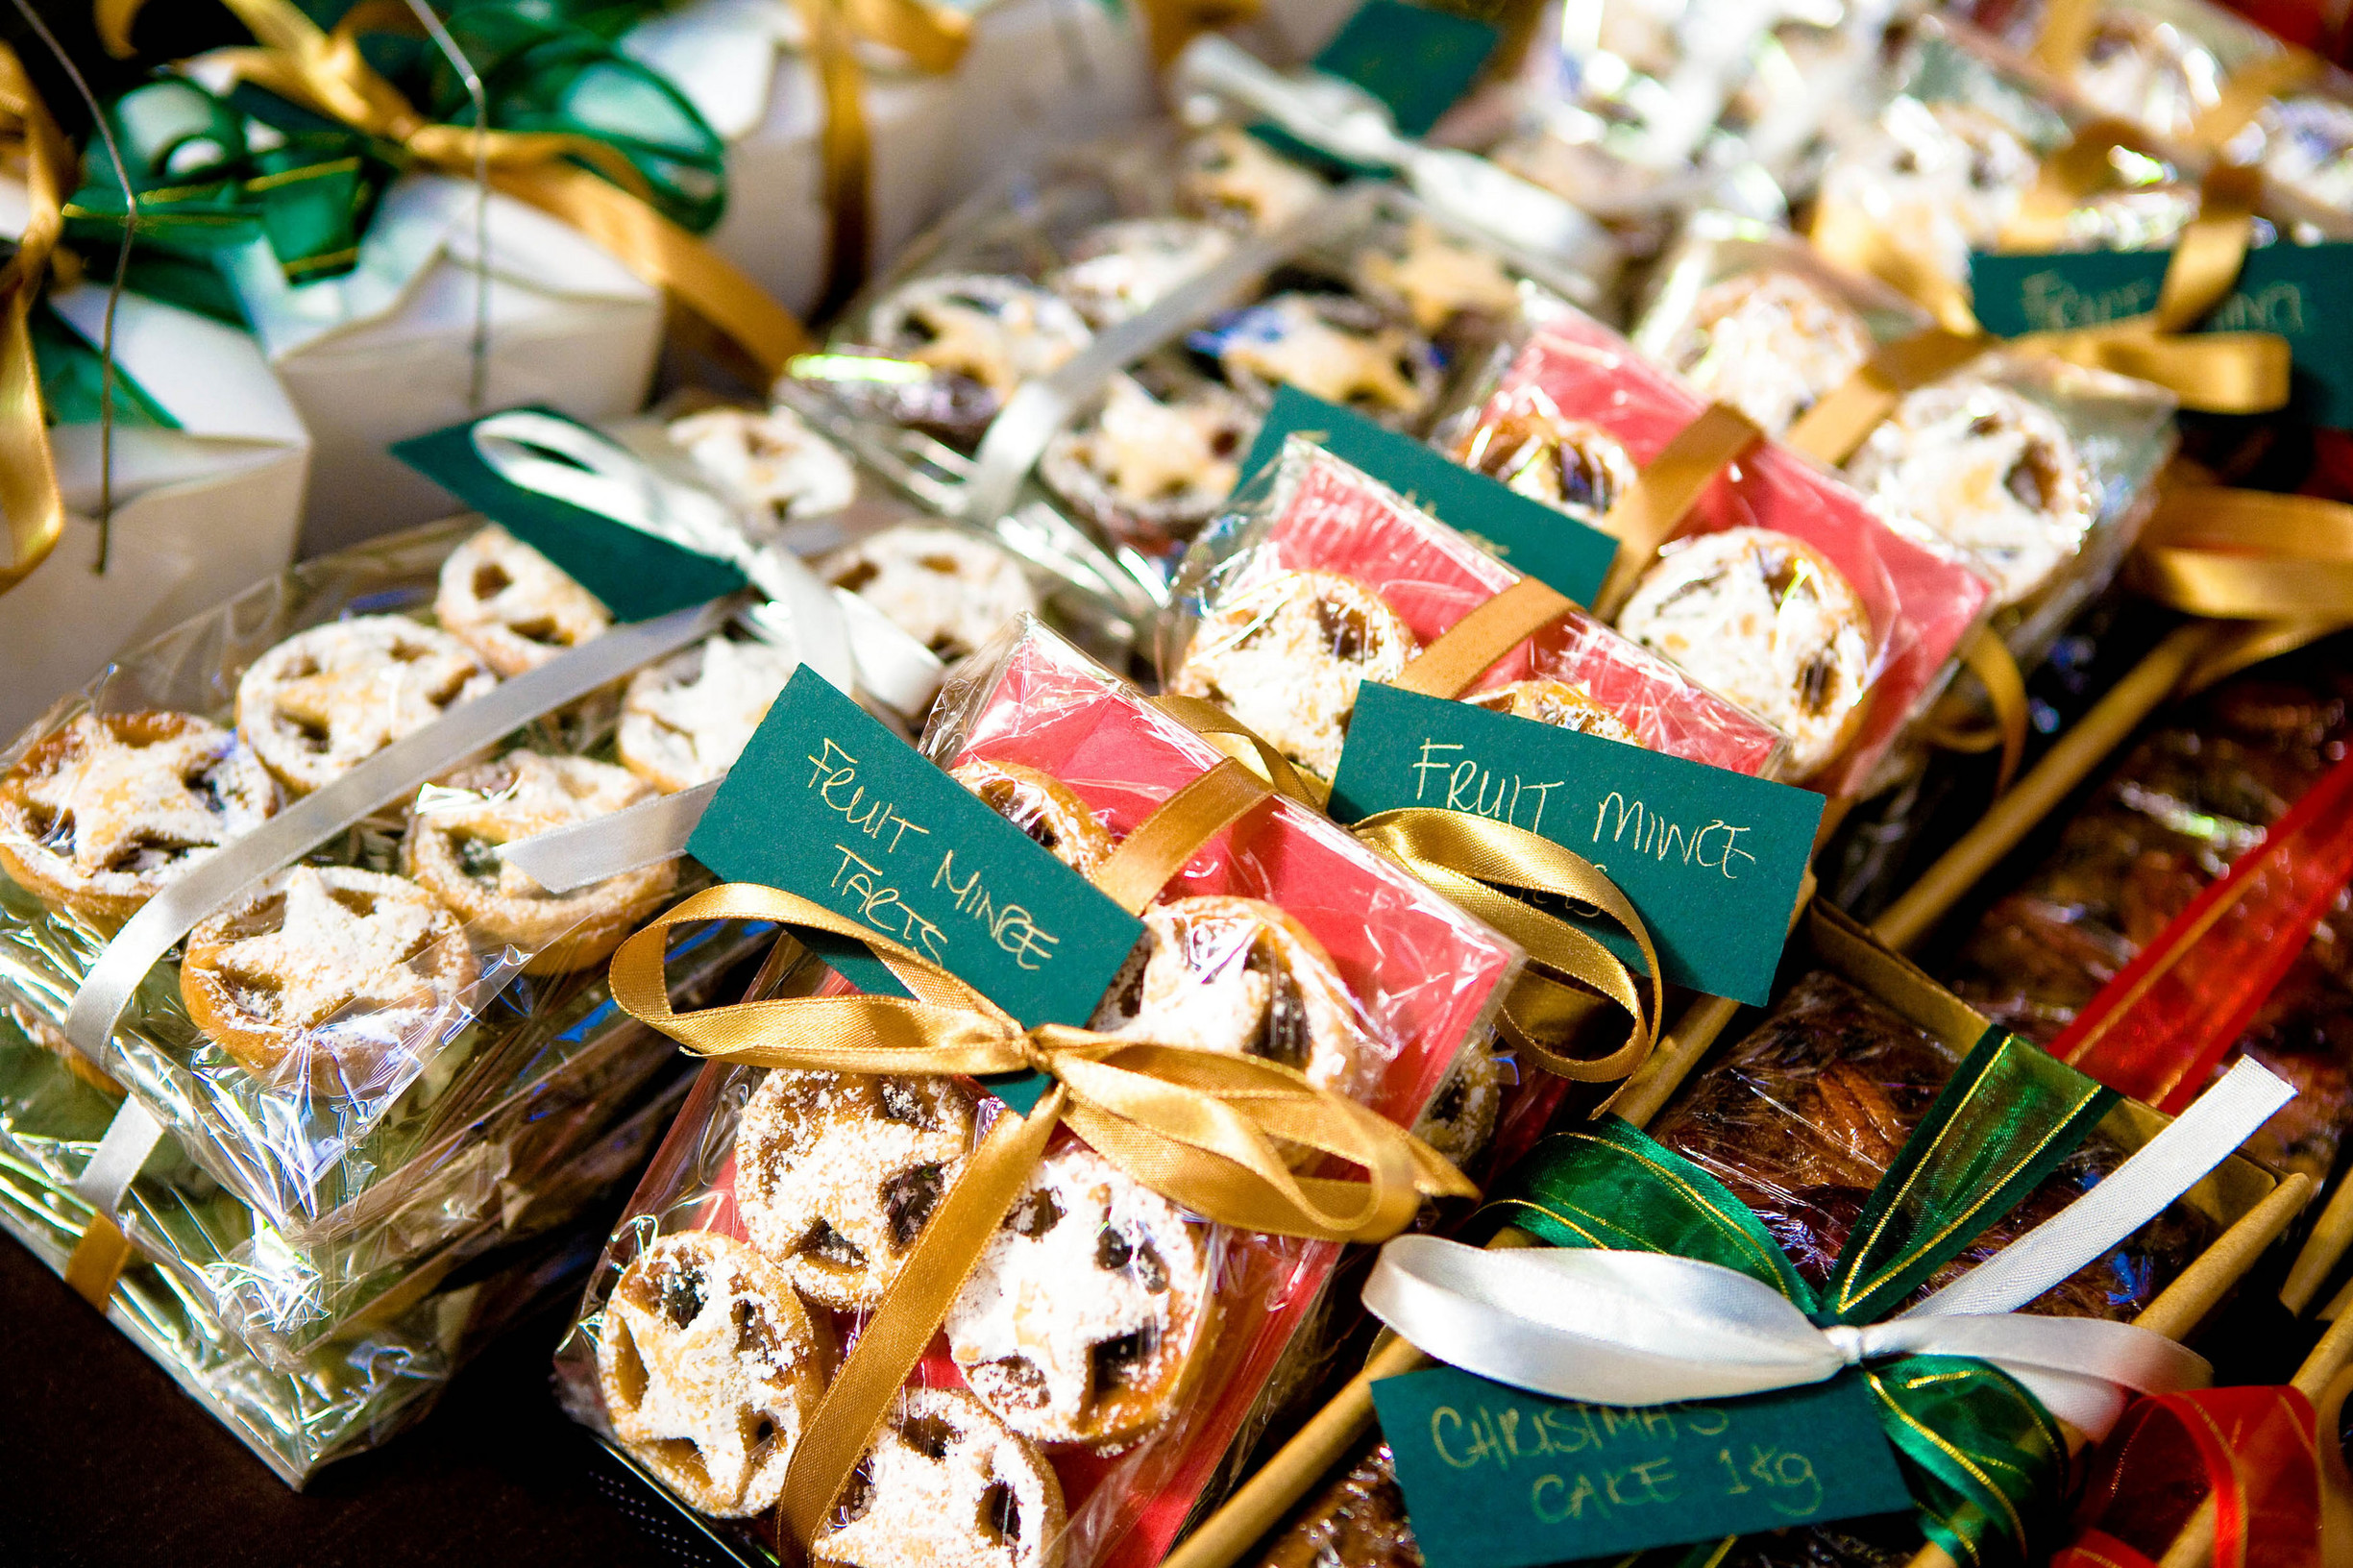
{"points": [[838, 1173], [330, 970], [100, 816], [1434, 277], [941, 586], [1767, 620], [1286, 654], [1084, 1319], [1531, 447], [1221, 973], [1334, 347], [452, 845], [512, 605], [1558, 704], [769, 459], [1143, 463], [1042, 806], [1232, 176], [685, 720], [710, 1370], [325, 701], [994, 330], [1768, 343], [946, 1484]]}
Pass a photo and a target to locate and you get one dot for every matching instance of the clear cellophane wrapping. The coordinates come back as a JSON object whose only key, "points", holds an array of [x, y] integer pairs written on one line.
{"points": [[1422, 981], [2116, 431], [1315, 512], [296, 1197], [2160, 64], [1409, 301], [373, 1377], [2166, 823], [1921, 599]]}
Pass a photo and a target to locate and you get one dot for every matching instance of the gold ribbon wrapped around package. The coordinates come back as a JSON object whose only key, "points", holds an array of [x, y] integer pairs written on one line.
{"points": [[2066, 33], [34, 149], [1200, 1127]]}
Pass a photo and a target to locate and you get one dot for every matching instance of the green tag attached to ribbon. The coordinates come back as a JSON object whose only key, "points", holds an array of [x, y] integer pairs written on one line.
{"points": [[1712, 860], [636, 574], [827, 803], [2302, 292], [1416, 61], [1496, 1478], [1526, 535]]}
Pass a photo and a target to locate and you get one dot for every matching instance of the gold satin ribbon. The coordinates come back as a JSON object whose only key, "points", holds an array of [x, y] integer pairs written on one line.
{"points": [[1472, 860], [1835, 426], [1246, 746], [1987, 657], [2067, 31], [98, 1261], [1645, 516], [1203, 1128], [1147, 858], [32, 145], [326, 74], [2225, 373], [2244, 554], [1461, 654]]}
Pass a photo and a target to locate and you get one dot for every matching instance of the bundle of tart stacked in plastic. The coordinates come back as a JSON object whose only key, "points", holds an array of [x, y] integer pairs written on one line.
{"points": [[1102, 344], [1108, 1350], [389, 1069]]}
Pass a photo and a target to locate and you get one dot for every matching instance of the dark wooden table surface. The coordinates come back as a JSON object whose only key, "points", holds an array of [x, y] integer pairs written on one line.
{"points": [[105, 1461]]}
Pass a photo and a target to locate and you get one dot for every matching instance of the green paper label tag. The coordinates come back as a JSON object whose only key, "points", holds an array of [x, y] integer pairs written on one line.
{"points": [[1526, 535], [1416, 61], [826, 803], [1710, 859], [637, 575], [1495, 1477], [2302, 292]]}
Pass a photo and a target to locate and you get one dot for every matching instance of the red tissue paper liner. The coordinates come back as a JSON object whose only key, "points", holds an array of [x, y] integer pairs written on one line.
{"points": [[2158, 1030], [1922, 599]]}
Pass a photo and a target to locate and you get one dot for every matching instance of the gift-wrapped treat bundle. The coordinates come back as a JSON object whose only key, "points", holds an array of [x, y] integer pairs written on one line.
{"points": [[1160, 833]]}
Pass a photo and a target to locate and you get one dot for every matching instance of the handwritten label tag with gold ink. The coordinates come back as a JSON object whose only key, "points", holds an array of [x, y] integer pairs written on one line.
{"points": [[1711, 859], [827, 803], [1495, 1477]]}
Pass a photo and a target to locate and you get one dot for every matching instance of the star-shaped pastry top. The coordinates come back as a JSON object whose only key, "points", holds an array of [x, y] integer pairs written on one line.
{"points": [[338, 946], [1298, 346], [717, 711], [1000, 347], [522, 793], [118, 796], [1157, 450], [366, 705], [1440, 275]]}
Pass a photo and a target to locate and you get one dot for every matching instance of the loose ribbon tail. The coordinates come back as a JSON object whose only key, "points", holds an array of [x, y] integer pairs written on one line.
{"points": [[33, 505], [2249, 1457]]}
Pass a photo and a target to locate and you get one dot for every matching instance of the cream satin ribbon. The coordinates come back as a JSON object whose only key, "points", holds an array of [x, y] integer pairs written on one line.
{"points": [[1633, 1328]]}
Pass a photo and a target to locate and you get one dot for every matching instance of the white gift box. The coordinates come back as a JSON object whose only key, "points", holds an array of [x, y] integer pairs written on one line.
{"points": [[1038, 72], [201, 513], [388, 350]]}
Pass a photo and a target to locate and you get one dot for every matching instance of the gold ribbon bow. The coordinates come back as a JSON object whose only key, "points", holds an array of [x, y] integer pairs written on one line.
{"points": [[326, 74], [2280, 565], [1203, 1128], [32, 147]]}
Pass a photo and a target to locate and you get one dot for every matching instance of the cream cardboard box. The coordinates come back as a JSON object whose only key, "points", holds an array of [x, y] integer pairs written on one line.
{"points": [[388, 350], [201, 513], [1039, 72]]}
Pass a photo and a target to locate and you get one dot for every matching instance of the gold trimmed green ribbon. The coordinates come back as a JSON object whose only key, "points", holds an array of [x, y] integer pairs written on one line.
{"points": [[589, 182], [1985, 1462], [34, 147], [1206, 1129]]}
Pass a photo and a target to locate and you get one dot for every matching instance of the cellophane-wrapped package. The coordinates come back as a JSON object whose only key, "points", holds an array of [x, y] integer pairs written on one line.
{"points": [[2040, 472], [2166, 823], [1108, 1350], [365, 1056], [1104, 336], [1319, 578], [2163, 66], [1781, 589]]}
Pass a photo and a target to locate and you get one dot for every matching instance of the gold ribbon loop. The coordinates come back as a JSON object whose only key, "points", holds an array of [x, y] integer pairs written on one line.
{"points": [[1987, 657], [32, 504], [1645, 515], [1163, 842], [1471, 860], [1246, 746], [2244, 554], [2246, 91], [1464, 651]]}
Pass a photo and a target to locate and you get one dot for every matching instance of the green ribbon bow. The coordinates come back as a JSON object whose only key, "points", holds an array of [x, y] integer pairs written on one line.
{"points": [[1985, 1462]]}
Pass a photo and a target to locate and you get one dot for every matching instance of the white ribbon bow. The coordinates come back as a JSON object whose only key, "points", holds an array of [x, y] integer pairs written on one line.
{"points": [[1632, 1328]]}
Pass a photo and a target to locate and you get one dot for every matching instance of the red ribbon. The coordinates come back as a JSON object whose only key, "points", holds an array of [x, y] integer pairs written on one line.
{"points": [[2251, 1450], [2158, 1030]]}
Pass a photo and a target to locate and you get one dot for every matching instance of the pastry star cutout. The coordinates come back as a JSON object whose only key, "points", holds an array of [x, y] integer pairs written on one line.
{"points": [[717, 710], [368, 705], [1158, 450], [999, 348], [120, 796], [326, 956], [1296, 345], [1440, 275], [932, 1500]]}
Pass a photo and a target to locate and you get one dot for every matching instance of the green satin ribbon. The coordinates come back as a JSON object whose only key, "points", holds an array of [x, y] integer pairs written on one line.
{"points": [[206, 188], [543, 70], [1985, 1462], [73, 377]]}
